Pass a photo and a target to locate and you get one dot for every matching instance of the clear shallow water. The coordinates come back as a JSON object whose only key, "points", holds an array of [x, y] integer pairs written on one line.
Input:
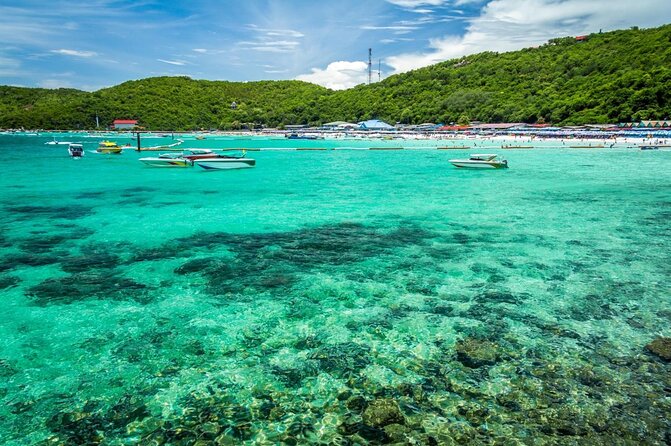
{"points": [[341, 297]]}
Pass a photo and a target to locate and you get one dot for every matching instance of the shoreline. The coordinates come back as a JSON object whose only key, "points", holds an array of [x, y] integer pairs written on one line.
{"points": [[514, 141]]}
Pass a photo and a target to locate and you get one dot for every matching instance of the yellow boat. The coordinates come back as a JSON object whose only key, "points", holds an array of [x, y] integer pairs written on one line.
{"points": [[108, 147]]}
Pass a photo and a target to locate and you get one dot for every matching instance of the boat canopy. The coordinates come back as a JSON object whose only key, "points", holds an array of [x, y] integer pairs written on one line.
{"points": [[197, 151], [483, 156]]}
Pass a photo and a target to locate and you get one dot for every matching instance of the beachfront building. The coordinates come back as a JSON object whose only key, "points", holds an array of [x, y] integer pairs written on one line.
{"points": [[497, 126], [124, 124], [339, 125], [375, 125]]}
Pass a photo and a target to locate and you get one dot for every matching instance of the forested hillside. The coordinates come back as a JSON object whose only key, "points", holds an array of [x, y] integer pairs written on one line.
{"points": [[611, 77]]}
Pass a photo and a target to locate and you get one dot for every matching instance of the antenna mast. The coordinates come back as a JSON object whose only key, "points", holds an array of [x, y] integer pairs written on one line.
{"points": [[379, 71], [370, 64]]}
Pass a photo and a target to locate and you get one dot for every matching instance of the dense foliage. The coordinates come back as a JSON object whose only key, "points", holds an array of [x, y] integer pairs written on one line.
{"points": [[611, 77]]}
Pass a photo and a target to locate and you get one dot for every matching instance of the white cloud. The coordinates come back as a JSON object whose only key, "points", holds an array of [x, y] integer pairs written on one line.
{"points": [[398, 39], [75, 53], [338, 75], [200, 50], [272, 40], [54, 83], [506, 25], [416, 3], [467, 2], [274, 32], [390, 28], [172, 62], [270, 46]]}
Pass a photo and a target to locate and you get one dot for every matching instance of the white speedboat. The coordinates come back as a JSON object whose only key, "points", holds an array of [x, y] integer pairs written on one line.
{"points": [[481, 161], [76, 150], [167, 160], [57, 143], [222, 162]]}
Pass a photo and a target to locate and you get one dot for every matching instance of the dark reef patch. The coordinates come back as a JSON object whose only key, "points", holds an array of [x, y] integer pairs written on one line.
{"points": [[476, 353], [131, 191], [167, 251], [7, 281], [91, 194], [5, 242], [293, 376], [89, 261], [197, 265], [87, 285], [661, 347], [271, 261], [29, 212], [500, 297], [93, 423], [44, 243], [344, 359], [14, 260]]}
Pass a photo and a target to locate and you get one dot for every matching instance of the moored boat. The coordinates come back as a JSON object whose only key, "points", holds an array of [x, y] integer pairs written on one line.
{"points": [[302, 136], [223, 162], [194, 154], [109, 147], [649, 147], [167, 160], [481, 161], [76, 150]]}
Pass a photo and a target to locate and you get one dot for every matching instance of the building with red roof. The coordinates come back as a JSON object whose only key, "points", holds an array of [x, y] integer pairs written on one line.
{"points": [[124, 124]]}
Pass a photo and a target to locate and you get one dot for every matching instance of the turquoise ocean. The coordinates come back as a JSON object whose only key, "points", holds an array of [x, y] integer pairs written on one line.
{"points": [[334, 297]]}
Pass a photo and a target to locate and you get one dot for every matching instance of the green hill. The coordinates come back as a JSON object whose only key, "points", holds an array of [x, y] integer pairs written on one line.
{"points": [[611, 77]]}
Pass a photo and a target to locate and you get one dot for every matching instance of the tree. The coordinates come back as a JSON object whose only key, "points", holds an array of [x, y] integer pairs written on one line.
{"points": [[463, 120]]}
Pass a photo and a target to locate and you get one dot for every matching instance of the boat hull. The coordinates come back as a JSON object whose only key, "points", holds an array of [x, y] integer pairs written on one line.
{"points": [[109, 150], [225, 163], [479, 164], [166, 162]]}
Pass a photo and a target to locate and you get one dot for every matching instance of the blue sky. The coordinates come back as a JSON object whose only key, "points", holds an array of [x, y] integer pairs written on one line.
{"points": [[100, 43]]}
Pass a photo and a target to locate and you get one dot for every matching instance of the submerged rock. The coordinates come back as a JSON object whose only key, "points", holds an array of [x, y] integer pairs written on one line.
{"points": [[342, 358], [383, 412], [476, 353], [196, 265], [661, 347]]}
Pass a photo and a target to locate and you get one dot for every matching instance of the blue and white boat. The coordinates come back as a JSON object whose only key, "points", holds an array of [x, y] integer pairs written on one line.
{"points": [[225, 162], [481, 161]]}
